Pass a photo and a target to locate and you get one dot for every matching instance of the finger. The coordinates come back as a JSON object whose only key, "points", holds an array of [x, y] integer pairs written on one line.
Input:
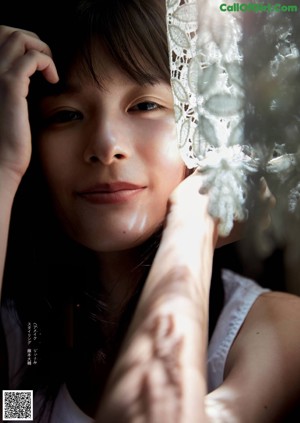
{"points": [[5, 30], [26, 65], [265, 193], [16, 44]]}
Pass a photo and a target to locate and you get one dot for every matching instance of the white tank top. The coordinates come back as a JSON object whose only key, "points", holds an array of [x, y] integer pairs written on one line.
{"points": [[240, 294]]}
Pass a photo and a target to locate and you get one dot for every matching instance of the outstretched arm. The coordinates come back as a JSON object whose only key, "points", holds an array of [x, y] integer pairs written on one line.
{"points": [[161, 371]]}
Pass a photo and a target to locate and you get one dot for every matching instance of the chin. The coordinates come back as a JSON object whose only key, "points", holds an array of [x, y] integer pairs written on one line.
{"points": [[123, 240], [111, 244]]}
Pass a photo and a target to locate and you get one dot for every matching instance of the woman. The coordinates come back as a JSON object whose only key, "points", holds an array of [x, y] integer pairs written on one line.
{"points": [[109, 233]]}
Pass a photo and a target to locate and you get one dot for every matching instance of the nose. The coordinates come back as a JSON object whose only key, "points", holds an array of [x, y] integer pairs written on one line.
{"points": [[106, 142]]}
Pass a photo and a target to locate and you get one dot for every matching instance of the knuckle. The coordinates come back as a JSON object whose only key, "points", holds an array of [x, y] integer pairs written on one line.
{"points": [[35, 55], [4, 29], [17, 35], [32, 54]]}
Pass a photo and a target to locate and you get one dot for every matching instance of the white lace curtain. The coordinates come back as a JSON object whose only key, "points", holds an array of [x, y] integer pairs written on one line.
{"points": [[235, 80]]}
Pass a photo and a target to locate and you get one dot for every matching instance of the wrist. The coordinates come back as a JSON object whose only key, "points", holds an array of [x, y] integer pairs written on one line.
{"points": [[9, 182], [192, 223], [187, 247]]}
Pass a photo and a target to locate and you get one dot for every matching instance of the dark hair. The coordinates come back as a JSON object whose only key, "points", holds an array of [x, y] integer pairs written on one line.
{"points": [[45, 271], [132, 32]]}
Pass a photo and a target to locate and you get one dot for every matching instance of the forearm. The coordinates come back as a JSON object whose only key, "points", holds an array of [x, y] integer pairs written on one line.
{"points": [[8, 186], [186, 250], [161, 372]]}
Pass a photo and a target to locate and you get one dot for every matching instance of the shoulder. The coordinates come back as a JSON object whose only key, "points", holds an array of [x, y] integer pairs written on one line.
{"points": [[276, 317], [266, 352], [275, 310], [282, 300], [240, 293], [272, 321], [269, 313]]}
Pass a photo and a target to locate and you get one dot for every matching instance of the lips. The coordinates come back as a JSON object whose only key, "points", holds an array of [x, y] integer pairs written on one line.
{"points": [[110, 193]]}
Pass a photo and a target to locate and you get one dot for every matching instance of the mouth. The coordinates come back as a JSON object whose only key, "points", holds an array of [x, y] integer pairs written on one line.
{"points": [[110, 193]]}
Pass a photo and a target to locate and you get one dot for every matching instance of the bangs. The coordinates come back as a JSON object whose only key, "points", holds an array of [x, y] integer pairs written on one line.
{"points": [[132, 32]]}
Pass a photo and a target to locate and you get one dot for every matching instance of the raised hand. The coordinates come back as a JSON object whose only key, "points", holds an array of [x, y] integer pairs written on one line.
{"points": [[22, 53]]}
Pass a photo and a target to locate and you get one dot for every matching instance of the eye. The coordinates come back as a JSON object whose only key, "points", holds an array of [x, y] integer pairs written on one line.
{"points": [[63, 116], [145, 106]]}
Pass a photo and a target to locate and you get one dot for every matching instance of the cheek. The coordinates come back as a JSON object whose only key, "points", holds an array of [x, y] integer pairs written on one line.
{"points": [[55, 158], [162, 153], [166, 174]]}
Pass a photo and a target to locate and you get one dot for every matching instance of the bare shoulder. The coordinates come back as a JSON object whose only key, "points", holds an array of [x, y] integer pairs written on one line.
{"points": [[266, 353], [276, 308], [273, 318], [277, 296]]}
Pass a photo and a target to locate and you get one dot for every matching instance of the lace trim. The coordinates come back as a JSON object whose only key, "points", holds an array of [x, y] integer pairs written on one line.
{"points": [[207, 79]]}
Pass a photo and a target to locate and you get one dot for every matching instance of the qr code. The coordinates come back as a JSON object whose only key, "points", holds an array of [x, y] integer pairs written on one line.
{"points": [[17, 405]]}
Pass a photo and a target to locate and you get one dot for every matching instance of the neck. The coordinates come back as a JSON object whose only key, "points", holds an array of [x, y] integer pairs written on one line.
{"points": [[119, 274]]}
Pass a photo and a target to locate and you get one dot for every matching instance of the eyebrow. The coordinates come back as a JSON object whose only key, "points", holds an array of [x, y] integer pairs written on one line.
{"points": [[62, 87]]}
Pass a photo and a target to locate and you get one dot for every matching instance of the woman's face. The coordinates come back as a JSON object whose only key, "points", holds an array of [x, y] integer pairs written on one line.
{"points": [[110, 158]]}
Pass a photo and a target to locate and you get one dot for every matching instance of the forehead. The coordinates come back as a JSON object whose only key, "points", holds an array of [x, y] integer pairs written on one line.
{"points": [[96, 65]]}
